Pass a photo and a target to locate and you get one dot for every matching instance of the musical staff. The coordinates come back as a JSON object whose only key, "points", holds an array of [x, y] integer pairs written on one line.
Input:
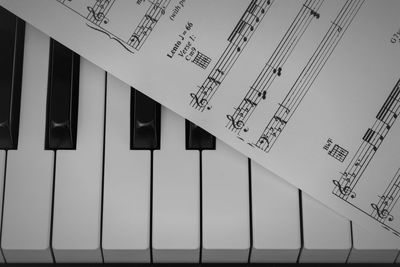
{"points": [[371, 141], [238, 40], [292, 100], [148, 22], [96, 14], [382, 210], [273, 67]]}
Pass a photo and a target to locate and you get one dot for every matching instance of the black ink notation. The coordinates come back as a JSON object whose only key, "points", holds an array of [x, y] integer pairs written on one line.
{"points": [[237, 41], [381, 210], [371, 141], [310, 72], [273, 68]]}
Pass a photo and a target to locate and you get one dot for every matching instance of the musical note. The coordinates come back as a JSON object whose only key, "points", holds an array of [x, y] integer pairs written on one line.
{"points": [[275, 131], [276, 118], [252, 103], [219, 71], [214, 80], [151, 18], [236, 124], [357, 163], [263, 95], [157, 6], [241, 110], [338, 27], [312, 12], [285, 108], [278, 71]]}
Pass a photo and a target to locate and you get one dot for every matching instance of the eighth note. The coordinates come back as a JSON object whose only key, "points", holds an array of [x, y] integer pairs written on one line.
{"points": [[283, 122], [214, 80], [338, 27], [252, 103], [312, 12]]}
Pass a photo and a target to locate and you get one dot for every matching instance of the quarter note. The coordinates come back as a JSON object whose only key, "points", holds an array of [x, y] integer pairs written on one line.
{"points": [[278, 71], [263, 95]]}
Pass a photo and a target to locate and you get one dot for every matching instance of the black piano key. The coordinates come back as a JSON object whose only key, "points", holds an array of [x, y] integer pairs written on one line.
{"points": [[62, 97], [12, 32], [197, 138], [145, 122]]}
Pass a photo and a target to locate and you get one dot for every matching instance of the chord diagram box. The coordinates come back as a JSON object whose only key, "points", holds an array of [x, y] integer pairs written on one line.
{"points": [[338, 153]]}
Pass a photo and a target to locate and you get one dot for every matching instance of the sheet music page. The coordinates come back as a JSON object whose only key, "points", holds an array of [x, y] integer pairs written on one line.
{"points": [[310, 89]]}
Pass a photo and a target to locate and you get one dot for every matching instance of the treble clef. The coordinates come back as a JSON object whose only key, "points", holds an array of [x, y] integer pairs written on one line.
{"points": [[199, 102], [97, 16], [382, 213], [236, 124], [344, 190]]}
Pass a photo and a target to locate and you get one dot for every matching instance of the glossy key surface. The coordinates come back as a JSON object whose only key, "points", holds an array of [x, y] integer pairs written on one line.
{"points": [[12, 32], [145, 122], [62, 97], [197, 138]]}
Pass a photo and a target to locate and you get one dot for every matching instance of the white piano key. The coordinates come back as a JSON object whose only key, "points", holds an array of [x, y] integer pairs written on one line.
{"points": [[176, 195], [326, 234], [226, 215], [368, 247], [78, 177], [126, 203], [2, 174], [29, 177], [276, 218]]}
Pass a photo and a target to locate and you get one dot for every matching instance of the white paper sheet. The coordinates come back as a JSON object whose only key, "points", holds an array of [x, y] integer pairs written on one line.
{"points": [[309, 89]]}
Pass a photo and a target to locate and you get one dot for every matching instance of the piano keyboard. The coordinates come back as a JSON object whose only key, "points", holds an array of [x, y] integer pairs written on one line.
{"points": [[93, 171]]}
